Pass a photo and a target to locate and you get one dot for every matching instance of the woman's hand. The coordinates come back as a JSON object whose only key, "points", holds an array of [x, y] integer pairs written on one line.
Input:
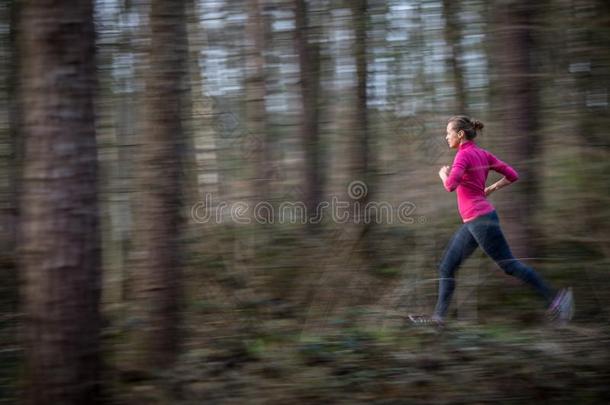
{"points": [[489, 190], [443, 173]]}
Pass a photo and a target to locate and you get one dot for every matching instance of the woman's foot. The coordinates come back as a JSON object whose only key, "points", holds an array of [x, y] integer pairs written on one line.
{"points": [[561, 309], [425, 320]]}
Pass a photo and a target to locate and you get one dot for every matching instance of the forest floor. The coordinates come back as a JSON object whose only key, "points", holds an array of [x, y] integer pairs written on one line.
{"points": [[358, 359], [249, 339], [463, 364]]}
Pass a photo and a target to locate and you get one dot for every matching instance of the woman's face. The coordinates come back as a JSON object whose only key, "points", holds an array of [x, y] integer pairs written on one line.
{"points": [[453, 138]]}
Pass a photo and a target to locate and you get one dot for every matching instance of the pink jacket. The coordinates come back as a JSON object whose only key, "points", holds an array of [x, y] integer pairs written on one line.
{"points": [[468, 175]]}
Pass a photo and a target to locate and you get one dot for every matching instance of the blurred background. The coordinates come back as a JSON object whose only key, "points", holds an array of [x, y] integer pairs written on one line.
{"points": [[138, 136]]}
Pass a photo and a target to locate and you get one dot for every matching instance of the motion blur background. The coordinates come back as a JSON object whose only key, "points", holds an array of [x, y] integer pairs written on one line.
{"points": [[126, 126]]}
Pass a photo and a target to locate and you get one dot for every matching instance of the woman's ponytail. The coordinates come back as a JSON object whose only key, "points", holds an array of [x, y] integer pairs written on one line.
{"points": [[468, 125]]}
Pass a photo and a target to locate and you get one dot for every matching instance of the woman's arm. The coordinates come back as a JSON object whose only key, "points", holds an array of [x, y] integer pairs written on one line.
{"points": [[510, 174], [503, 182], [452, 177], [502, 168]]}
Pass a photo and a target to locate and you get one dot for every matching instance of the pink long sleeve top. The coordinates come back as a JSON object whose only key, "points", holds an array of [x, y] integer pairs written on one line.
{"points": [[468, 175]]}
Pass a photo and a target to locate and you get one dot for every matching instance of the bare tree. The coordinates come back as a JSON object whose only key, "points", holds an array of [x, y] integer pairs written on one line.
{"points": [[204, 144], [157, 275], [453, 34], [257, 146], [361, 156], [309, 63], [516, 97], [59, 247]]}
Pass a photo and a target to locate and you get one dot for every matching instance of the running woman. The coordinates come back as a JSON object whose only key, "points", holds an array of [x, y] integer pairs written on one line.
{"points": [[481, 225]]}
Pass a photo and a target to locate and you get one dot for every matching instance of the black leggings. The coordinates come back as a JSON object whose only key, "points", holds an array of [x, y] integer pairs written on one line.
{"points": [[483, 231]]}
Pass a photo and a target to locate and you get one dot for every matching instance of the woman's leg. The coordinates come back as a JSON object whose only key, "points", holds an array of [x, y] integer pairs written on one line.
{"points": [[487, 232], [461, 245]]}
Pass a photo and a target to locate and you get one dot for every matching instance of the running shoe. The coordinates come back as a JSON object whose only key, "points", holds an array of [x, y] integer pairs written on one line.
{"points": [[561, 309], [425, 320]]}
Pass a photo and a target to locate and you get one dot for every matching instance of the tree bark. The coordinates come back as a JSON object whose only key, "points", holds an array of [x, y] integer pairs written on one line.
{"points": [[59, 246], [309, 63], [157, 275], [256, 145], [452, 36], [204, 145], [362, 157], [517, 92], [361, 151]]}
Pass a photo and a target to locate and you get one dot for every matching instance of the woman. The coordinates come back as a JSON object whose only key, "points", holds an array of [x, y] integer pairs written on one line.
{"points": [[481, 225]]}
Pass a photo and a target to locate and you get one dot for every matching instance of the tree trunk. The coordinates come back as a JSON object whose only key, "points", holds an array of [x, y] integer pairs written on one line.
{"points": [[362, 169], [309, 63], [589, 65], [203, 136], [10, 159], [361, 150], [157, 275], [517, 92], [453, 35], [59, 246], [256, 145], [11, 142]]}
